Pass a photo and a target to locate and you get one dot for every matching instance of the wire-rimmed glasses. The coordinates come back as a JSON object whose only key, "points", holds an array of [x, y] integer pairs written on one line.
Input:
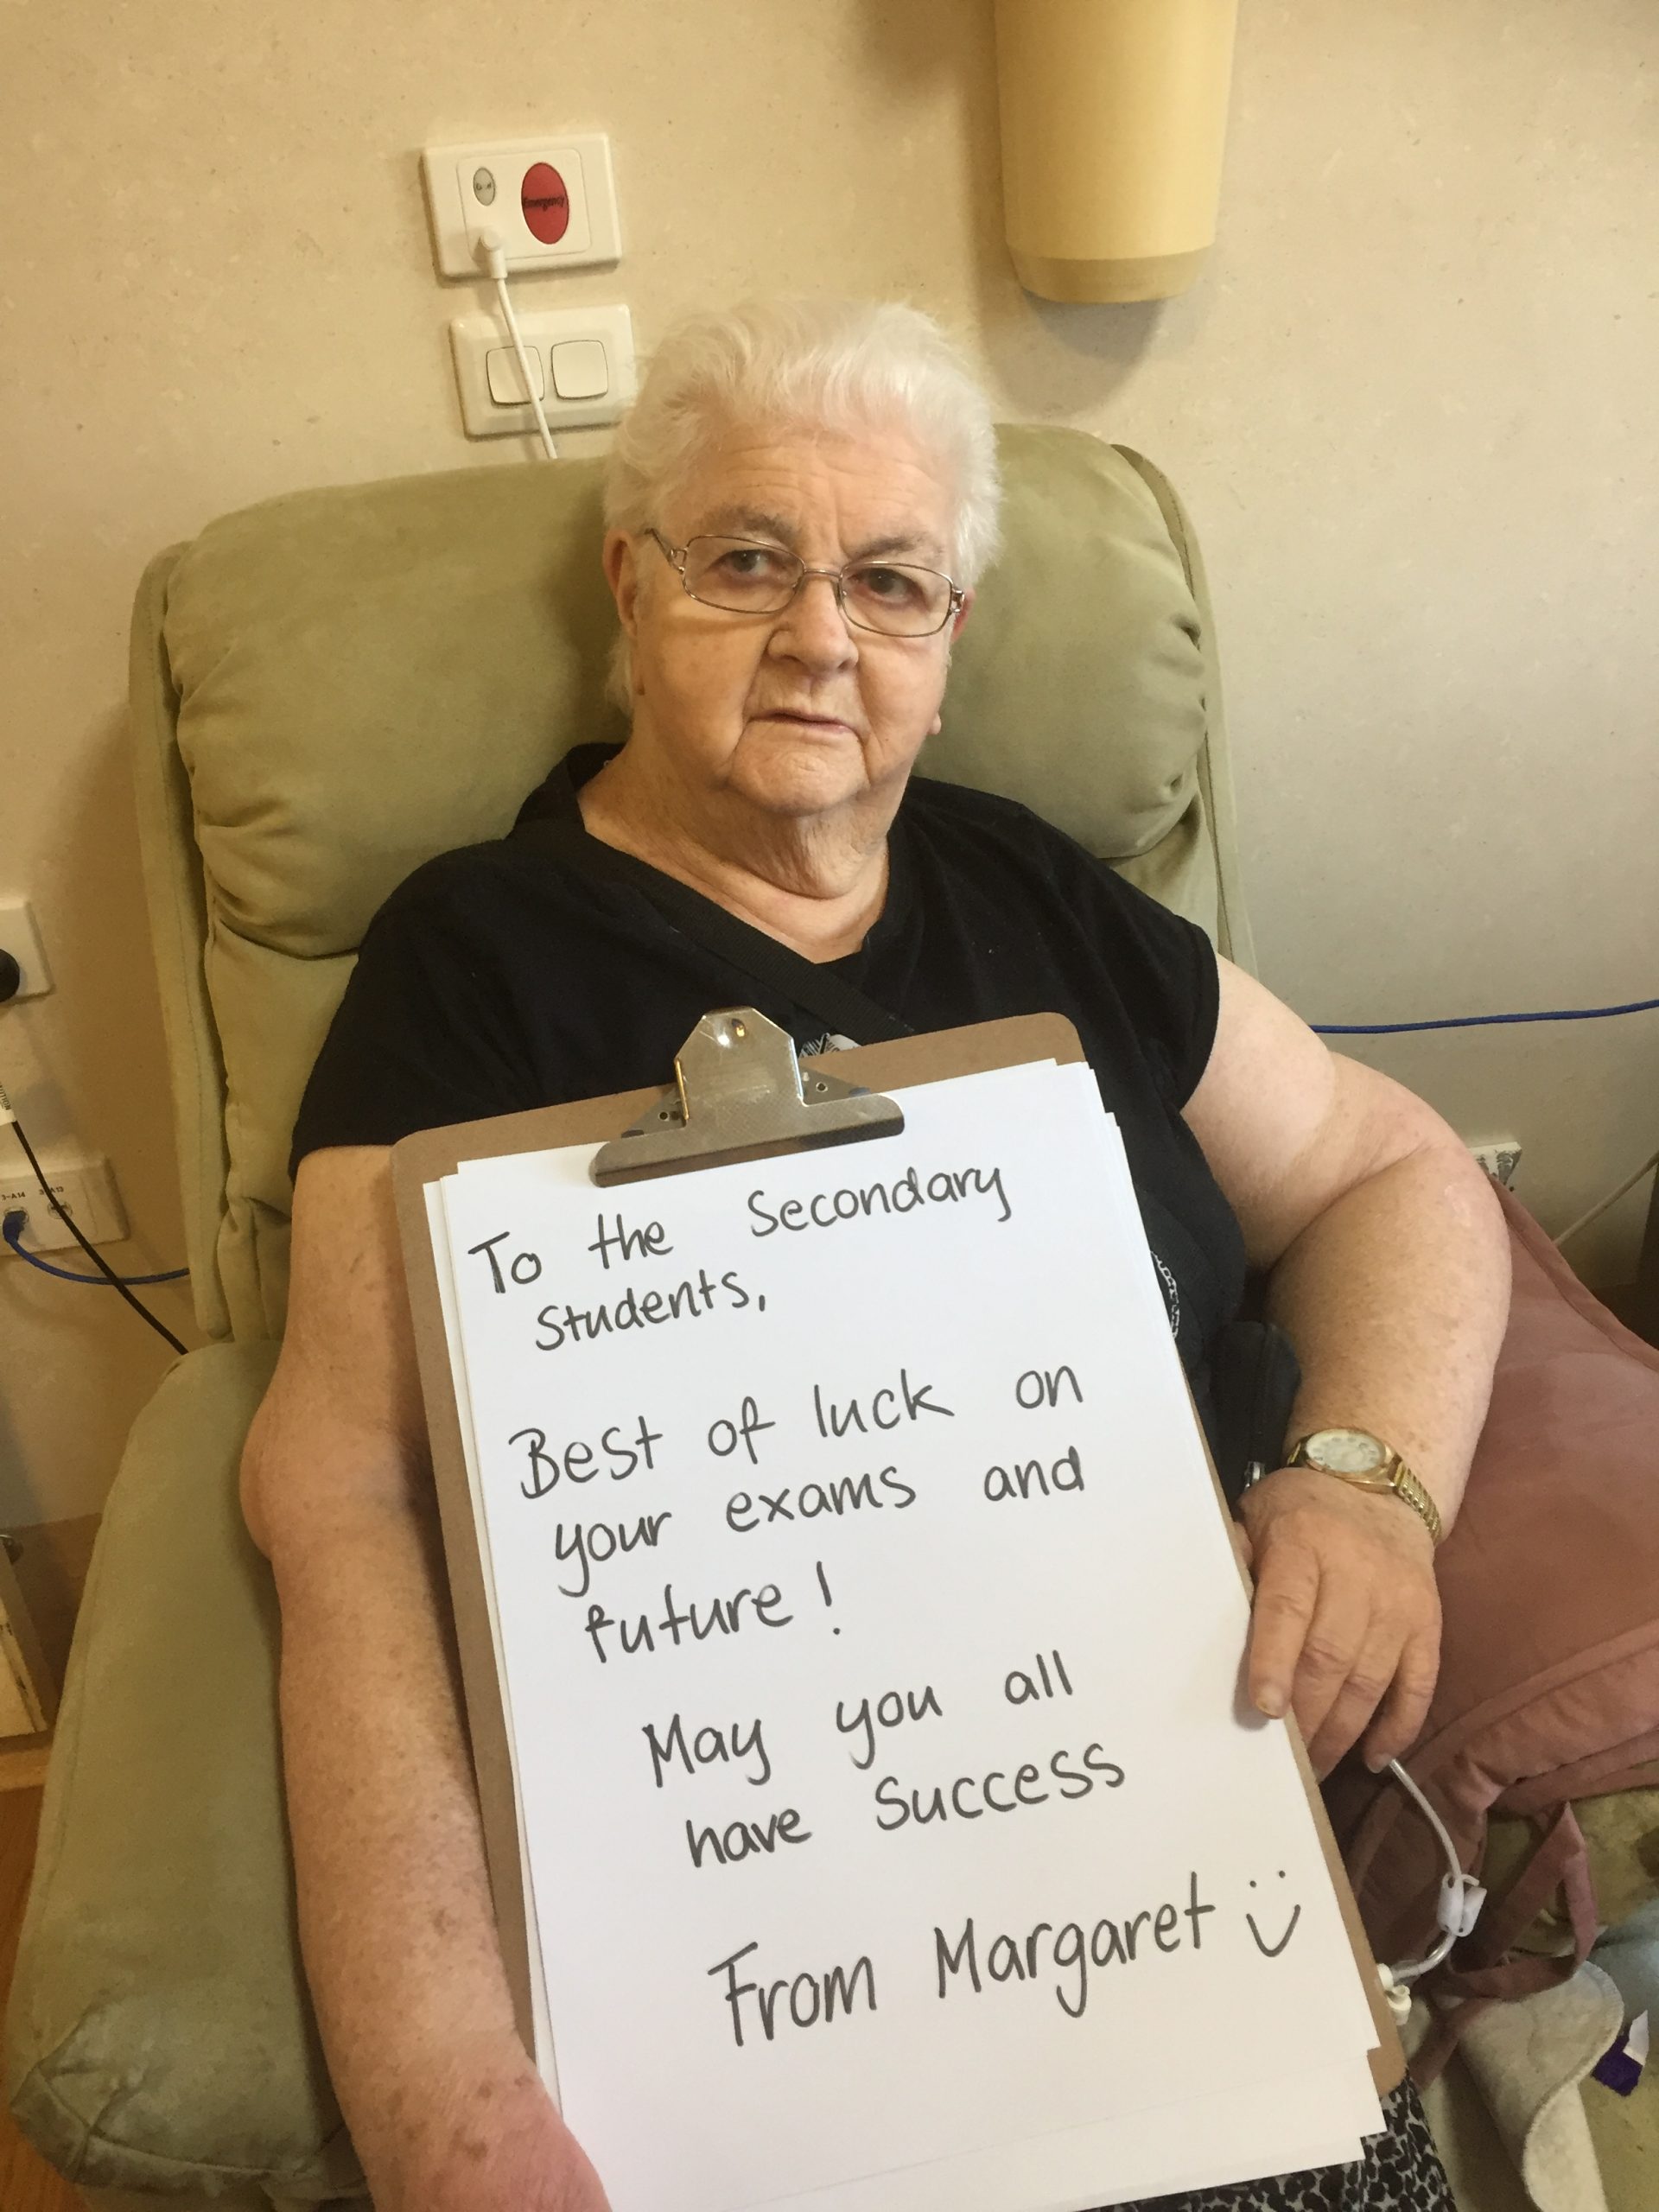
{"points": [[742, 576]]}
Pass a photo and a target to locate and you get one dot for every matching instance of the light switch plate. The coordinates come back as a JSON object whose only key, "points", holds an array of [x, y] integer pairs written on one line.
{"points": [[564, 219], [506, 379], [474, 338]]}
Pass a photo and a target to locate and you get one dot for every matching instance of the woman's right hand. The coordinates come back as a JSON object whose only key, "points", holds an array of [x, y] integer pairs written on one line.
{"points": [[489, 2140]]}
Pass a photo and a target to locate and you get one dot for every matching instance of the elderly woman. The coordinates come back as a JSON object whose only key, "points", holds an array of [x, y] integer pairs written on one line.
{"points": [[799, 504]]}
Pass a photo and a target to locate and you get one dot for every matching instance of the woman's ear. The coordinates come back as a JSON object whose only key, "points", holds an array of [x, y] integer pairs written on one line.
{"points": [[622, 574], [961, 616]]}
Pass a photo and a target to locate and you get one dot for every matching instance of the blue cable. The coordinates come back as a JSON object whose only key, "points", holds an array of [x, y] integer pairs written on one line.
{"points": [[1478, 1020], [13, 1230]]}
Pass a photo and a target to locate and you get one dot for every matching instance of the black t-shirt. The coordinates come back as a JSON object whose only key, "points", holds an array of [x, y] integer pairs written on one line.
{"points": [[495, 980]]}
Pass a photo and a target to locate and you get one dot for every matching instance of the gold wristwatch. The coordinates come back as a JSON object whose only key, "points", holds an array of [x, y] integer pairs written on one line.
{"points": [[1354, 1455]]}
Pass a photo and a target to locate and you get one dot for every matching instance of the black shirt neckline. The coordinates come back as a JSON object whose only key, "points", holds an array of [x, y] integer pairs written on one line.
{"points": [[556, 799]]}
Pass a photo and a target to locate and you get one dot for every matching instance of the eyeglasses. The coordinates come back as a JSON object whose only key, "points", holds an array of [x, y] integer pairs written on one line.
{"points": [[741, 576]]}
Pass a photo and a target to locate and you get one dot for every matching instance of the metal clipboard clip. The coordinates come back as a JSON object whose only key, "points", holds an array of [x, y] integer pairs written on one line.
{"points": [[739, 1094]]}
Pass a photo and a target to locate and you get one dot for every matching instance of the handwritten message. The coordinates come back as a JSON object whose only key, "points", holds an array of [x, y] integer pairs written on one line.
{"points": [[871, 1637]]}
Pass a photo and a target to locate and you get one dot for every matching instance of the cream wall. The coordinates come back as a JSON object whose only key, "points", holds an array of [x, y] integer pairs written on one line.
{"points": [[1411, 406]]}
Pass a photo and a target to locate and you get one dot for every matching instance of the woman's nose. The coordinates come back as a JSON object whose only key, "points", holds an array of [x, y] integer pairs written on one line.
{"points": [[813, 628]]}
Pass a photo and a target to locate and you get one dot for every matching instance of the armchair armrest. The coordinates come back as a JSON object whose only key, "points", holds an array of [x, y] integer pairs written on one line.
{"points": [[159, 2036]]}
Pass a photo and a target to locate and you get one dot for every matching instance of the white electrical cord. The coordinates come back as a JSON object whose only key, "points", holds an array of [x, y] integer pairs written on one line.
{"points": [[1611, 1199], [1456, 1910], [494, 261]]}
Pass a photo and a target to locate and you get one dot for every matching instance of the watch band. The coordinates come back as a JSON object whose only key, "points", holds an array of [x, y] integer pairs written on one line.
{"points": [[1406, 1485], [1393, 1475]]}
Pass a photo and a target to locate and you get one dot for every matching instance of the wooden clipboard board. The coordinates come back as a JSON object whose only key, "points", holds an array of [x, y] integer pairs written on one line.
{"points": [[431, 1154]]}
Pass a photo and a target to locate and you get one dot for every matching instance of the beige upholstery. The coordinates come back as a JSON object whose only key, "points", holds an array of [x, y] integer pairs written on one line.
{"points": [[162, 1833], [327, 689]]}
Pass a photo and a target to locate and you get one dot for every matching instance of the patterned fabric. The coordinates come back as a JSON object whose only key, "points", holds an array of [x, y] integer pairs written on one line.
{"points": [[1400, 2172]]}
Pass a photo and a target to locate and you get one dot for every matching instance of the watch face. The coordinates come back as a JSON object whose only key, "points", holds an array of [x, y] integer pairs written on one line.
{"points": [[1346, 1452]]}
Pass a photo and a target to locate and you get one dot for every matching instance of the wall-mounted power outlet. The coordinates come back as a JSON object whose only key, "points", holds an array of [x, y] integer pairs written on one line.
{"points": [[550, 201], [28, 1700], [20, 938], [85, 1187], [1500, 1157]]}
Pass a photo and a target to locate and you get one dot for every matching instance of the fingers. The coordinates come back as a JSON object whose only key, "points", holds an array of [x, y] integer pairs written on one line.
{"points": [[1329, 1652], [1337, 1709], [1401, 1716], [1287, 1591], [1244, 1549]]}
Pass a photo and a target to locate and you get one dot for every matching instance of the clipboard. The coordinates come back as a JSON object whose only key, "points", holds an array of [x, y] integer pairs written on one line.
{"points": [[740, 1093]]}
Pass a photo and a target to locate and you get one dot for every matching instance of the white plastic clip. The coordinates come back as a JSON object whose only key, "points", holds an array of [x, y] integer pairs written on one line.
{"points": [[1397, 1993], [1459, 1904]]}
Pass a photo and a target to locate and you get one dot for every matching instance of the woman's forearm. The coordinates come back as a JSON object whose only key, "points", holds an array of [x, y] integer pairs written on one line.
{"points": [[395, 1920], [1396, 1297]]}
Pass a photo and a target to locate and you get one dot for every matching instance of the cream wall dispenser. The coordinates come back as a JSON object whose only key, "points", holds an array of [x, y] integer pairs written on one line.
{"points": [[551, 202], [1114, 121]]}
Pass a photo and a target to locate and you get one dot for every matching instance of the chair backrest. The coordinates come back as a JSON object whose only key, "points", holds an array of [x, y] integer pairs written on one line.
{"points": [[331, 686]]}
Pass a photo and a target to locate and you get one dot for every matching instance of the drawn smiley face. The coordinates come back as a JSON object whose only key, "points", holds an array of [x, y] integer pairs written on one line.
{"points": [[1272, 1950]]}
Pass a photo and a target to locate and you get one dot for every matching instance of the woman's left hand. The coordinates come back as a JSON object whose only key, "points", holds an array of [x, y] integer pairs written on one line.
{"points": [[1346, 1622]]}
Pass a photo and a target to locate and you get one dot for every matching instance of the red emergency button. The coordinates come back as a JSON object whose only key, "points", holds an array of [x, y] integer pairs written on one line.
{"points": [[545, 202]]}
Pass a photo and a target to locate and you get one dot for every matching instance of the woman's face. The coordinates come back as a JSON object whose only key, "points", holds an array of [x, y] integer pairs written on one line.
{"points": [[799, 712]]}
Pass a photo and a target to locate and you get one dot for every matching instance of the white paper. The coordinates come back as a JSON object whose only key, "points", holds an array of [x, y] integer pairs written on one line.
{"points": [[540, 2028], [1214, 2139], [1078, 1644]]}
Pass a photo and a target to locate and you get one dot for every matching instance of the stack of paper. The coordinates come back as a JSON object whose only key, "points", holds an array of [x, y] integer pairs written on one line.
{"points": [[870, 1638]]}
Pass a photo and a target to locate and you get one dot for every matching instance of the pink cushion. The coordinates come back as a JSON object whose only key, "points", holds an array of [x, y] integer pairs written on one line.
{"points": [[1549, 1678]]}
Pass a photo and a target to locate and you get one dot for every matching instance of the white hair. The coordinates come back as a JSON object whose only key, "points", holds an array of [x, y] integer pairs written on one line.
{"points": [[838, 364]]}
